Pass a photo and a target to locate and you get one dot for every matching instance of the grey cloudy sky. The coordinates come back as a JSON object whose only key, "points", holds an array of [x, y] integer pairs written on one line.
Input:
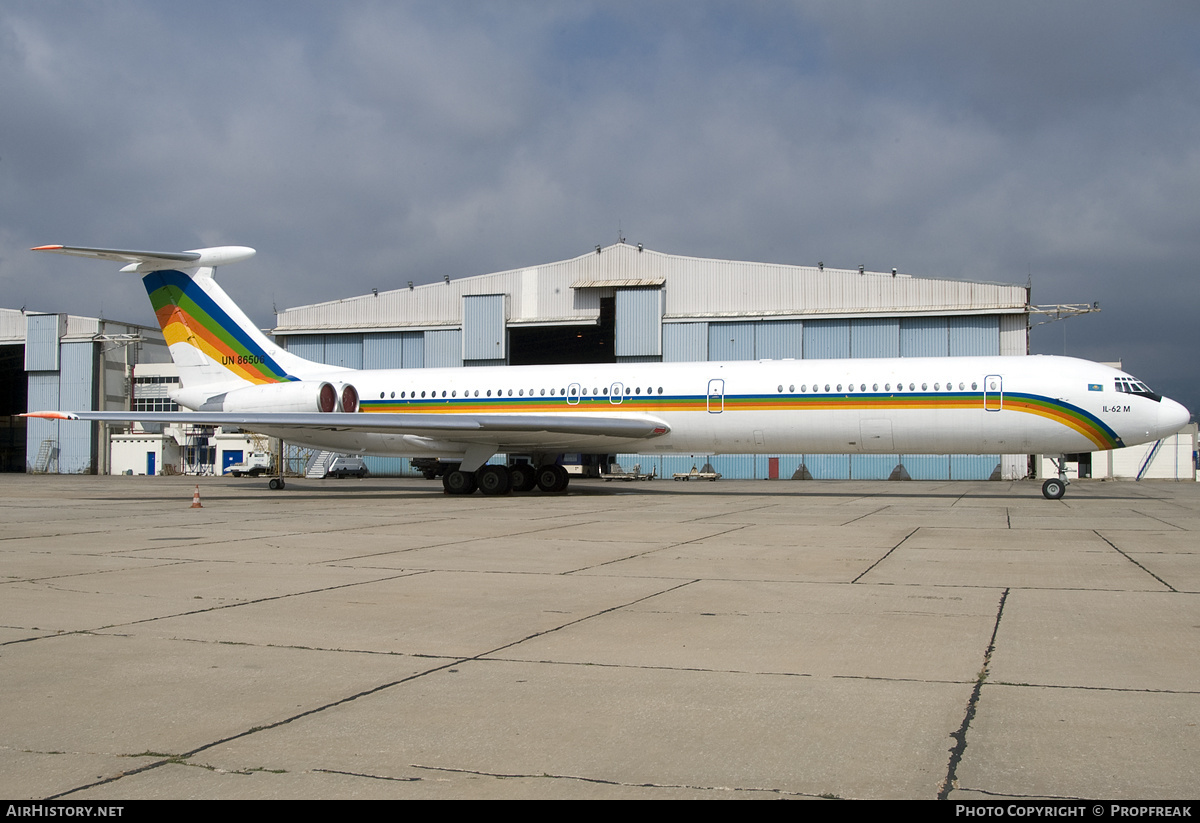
{"points": [[365, 144]]}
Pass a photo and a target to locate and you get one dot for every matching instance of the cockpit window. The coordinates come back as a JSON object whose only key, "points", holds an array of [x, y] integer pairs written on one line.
{"points": [[1127, 385]]}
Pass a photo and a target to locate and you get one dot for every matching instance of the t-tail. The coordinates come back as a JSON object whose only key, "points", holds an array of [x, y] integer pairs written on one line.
{"points": [[213, 343]]}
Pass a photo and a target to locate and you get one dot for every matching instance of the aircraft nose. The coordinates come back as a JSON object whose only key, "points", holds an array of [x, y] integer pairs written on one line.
{"points": [[1172, 417]]}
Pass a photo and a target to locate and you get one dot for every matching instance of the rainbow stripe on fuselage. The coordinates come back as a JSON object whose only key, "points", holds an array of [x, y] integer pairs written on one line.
{"points": [[1066, 414], [187, 314]]}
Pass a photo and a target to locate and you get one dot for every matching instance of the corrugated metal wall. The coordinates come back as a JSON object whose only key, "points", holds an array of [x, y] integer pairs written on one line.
{"points": [[383, 350], [76, 390], [309, 346], [685, 342], [443, 349], [694, 289], [822, 466], [730, 341], [43, 396], [72, 387], [344, 350], [1014, 334], [875, 337], [778, 340], [924, 337], [638, 323], [42, 333], [826, 339], [394, 350], [976, 336], [484, 335]]}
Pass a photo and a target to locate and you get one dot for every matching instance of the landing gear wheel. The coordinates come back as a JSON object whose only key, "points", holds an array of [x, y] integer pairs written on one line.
{"points": [[493, 480], [458, 482], [276, 484], [524, 478], [552, 478], [1054, 489]]}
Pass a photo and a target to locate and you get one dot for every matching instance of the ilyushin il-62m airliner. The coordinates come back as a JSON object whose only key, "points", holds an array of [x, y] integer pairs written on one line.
{"points": [[233, 375]]}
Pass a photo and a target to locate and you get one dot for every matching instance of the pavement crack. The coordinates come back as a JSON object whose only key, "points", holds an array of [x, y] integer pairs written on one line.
{"points": [[886, 555], [867, 514], [730, 530], [1134, 562], [1160, 520], [623, 783], [960, 736], [372, 776]]}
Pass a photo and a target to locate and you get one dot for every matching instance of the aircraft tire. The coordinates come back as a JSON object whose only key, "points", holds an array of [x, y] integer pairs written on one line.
{"points": [[458, 482], [494, 480], [552, 479], [524, 478], [1054, 489], [276, 484]]}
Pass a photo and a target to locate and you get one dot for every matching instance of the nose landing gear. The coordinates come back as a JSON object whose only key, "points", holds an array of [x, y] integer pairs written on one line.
{"points": [[1056, 487]]}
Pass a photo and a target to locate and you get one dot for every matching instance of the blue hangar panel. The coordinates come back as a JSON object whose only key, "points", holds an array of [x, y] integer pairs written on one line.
{"points": [[484, 335], [730, 341], [638, 323], [685, 342], [394, 350], [443, 349]]}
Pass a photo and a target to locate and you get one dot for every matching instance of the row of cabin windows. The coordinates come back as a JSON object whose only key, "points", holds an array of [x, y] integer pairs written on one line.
{"points": [[598, 392], [962, 386], [650, 390]]}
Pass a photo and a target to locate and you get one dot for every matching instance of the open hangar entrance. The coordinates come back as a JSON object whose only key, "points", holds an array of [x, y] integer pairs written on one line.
{"points": [[14, 393], [563, 345]]}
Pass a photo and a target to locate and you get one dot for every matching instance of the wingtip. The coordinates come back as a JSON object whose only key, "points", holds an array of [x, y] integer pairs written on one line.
{"points": [[49, 415], [46, 248]]}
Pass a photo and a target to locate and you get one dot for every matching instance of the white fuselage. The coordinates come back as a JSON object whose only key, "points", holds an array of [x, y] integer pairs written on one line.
{"points": [[955, 405]]}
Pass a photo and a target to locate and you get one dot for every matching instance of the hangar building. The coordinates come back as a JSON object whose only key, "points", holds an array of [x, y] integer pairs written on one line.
{"points": [[62, 361], [624, 303]]}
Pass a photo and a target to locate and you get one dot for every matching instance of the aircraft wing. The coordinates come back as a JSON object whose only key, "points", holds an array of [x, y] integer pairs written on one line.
{"points": [[466, 427]]}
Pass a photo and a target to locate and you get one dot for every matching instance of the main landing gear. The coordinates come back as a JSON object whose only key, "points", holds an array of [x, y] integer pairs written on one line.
{"points": [[496, 480], [1056, 487]]}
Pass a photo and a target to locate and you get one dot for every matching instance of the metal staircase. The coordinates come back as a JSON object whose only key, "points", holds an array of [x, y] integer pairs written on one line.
{"points": [[47, 453], [1154, 450], [318, 464]]}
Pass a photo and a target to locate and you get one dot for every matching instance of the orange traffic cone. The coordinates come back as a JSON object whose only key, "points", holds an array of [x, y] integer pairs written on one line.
{"points": [[196, 499]]}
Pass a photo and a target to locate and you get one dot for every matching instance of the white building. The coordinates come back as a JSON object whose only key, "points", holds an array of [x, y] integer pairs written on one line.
{"points": [[184, 449]]}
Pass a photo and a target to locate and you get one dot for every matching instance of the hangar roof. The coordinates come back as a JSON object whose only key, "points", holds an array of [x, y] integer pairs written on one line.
{"points": [[569, 291], [13, 324]]}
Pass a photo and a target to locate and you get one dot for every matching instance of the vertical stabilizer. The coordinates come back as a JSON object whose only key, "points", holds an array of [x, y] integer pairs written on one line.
{"points": [[212, 341]]}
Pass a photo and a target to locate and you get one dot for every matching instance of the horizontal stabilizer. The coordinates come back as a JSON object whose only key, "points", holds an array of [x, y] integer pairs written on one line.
{"points": [[143, 262]]}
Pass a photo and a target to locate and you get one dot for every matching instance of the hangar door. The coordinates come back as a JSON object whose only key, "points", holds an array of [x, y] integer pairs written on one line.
{"points": [[639, 323], [484, 334]]}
